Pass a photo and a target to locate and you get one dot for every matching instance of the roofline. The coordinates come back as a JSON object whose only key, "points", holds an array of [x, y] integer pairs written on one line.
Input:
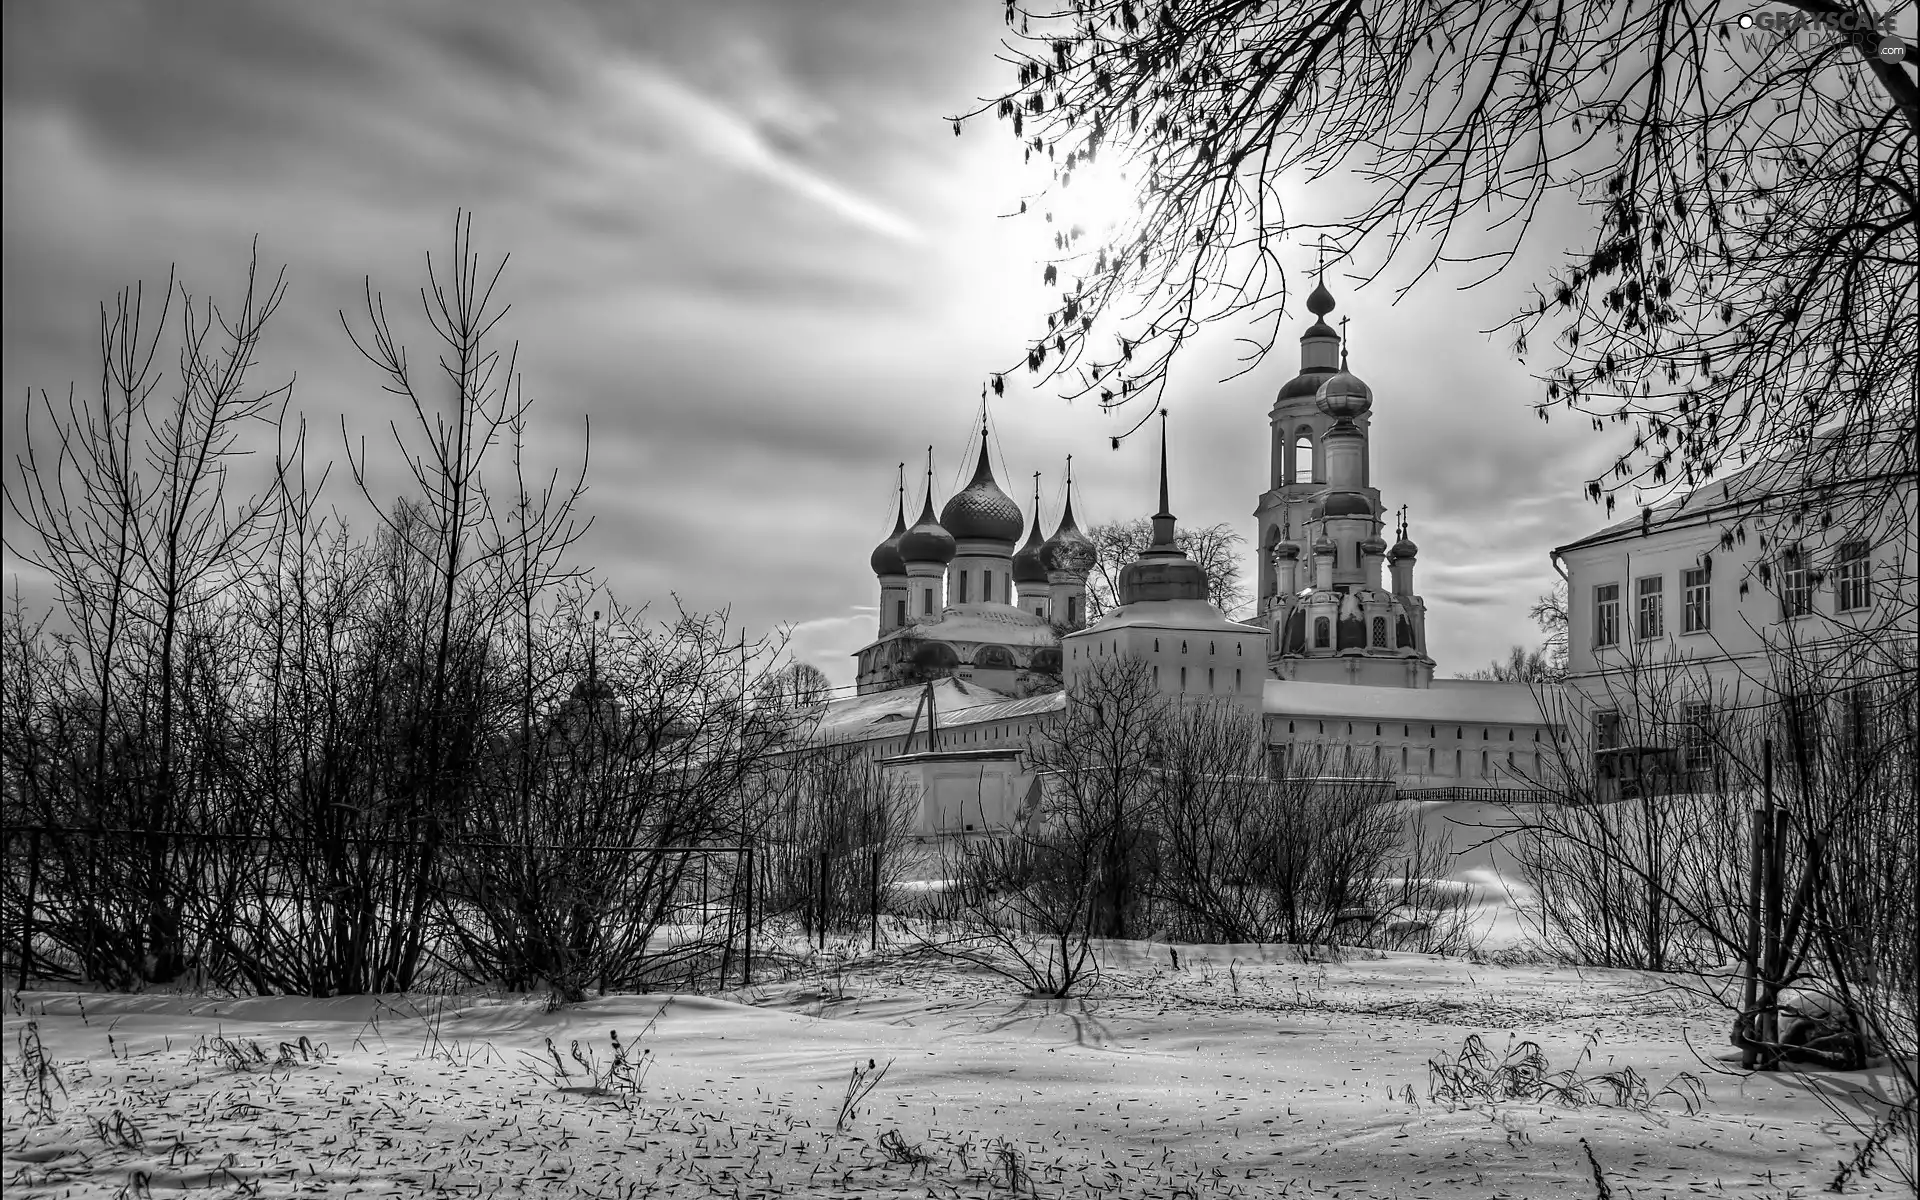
{"points": [[1725, 508]]}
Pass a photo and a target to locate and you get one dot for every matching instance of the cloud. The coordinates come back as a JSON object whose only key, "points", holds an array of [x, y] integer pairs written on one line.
{"points": [[712, 130]]}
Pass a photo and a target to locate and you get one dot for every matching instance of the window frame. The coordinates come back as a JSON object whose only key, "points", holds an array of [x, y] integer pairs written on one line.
{"points": [[1696, 600], [1796, 584], [1606, 615], [1649, 608], [1853, 576]]}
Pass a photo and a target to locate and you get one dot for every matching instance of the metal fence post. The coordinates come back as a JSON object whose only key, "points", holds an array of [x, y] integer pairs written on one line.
{"points": [[26, 918]]}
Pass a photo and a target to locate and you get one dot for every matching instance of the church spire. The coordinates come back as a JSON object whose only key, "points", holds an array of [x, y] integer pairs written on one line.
{"points": [[1163, 519]]}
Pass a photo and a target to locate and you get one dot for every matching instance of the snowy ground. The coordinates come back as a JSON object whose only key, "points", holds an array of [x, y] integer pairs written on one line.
{"points": [[1245, 1073]]}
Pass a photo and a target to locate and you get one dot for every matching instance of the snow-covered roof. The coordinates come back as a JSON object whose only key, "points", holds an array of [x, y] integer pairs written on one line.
{"points": [[876, 714], [993, 624], [1167, 614], [1461, 701]]}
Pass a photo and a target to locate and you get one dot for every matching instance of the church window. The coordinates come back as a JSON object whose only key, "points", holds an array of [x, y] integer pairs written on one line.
{"points": [[1483, 734], [1509, 735], [1458, 769], [1209, 678], [899, 612], [1156, 645], [1403, 758], [928, 593], [1376, 729], [1303, 459], [1429, 760], [1183, 647], [1536, 735], [1073, 610], [1289, 726], [1212, 647], [1156, 674], [1183, 679], [1236, 679], [1380, 632], [962, 579], [1322, 633], [1483, 762]]}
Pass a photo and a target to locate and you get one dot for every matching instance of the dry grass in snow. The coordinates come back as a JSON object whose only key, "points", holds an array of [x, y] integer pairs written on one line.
{"points": [[1245, 1073]]}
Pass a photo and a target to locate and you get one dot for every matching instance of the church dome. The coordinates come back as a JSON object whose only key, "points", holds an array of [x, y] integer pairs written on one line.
{"points": [[927, 541], [1068, 549], [981, 511], [1028, 563], [1404, 548], [886, 559], [1162, 576], [1287, 549], [1323, 545], [1343, 504], [1344, 396], [1374, 545]]}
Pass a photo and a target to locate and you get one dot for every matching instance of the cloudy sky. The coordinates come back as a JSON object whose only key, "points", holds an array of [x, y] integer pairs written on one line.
{"points": [[744, 241]]}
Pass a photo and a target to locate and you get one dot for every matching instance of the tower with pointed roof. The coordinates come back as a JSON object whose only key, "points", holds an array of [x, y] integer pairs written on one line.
{"points": [[890, 568], [1067, 557], [1029, 566], [985, 524], [1165, 619], [1320, 523]]}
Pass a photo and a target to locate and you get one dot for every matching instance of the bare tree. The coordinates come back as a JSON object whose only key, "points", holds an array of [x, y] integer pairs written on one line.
{"points": [[1521, 665], [1116, 543], [130, 514], [1753, 191]]}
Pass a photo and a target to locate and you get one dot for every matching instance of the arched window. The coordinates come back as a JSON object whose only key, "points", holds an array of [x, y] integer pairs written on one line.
{"points": [[1303, 459], [1380, 632], [1322, 633]]}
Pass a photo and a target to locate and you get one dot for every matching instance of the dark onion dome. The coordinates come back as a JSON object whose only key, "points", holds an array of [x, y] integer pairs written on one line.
{"points": [[1323, 545], [591, 689], [1344, 396], [1028, 562], [980, 511], [886, 558], [1374, 545], [1404, 548], [1342, 504], [1068, 549], [927, 542], [1320, 300], [1308, 381]]}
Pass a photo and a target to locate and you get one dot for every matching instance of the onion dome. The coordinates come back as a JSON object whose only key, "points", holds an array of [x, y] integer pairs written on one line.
{"points": [[1374, 545], [1342, 504], [1308, 381], [1028, 563], [981, 511], [1343, 395], [886, 558], [1288, 549], [1068, 550], [1404, 548], [591, 689], [1323, 545], [927, 541]]}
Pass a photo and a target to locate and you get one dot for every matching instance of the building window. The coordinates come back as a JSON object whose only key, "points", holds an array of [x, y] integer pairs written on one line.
{"points": [[1696, 737], [1380, 632], [1236, 679], [1796, 585], [1156, 645], [1483, 764], [1649, 619], [1303, 459], [1850, 580], [1183, 679], [1209, 678], [1697, 616], [961, 579], [1073, 610], [1429, 760], [1856, 720], [899, 612], [1606, 729], [929, 595], [1322, 633], [1606, 615]]}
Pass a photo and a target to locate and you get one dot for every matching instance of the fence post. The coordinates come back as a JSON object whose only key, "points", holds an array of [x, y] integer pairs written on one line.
{"points": [[873, 932], [823, 900], [26, 921]]}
